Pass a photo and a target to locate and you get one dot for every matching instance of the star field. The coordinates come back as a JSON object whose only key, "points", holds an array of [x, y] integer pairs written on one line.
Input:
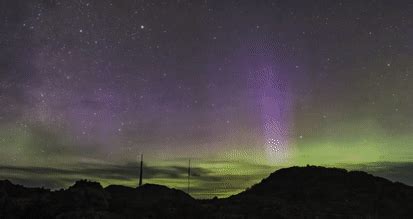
{"points": [[226, 83]]}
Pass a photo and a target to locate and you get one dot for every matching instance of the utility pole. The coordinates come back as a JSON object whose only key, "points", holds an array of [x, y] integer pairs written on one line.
{"points": [[189, 174], [141, 171]]}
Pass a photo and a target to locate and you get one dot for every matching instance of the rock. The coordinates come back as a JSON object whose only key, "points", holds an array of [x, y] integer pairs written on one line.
{"points": [[296, 192]]}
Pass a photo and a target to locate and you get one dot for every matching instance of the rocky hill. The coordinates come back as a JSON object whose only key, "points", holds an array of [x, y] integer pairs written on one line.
{"points": [[296, 192], [318, 192]]}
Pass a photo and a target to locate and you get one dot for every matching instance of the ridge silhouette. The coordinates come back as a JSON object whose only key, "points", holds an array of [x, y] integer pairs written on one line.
{"points": [[295, 192]]}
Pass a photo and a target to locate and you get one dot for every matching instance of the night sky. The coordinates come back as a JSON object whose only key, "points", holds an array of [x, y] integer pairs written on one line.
{"points": [[240, 87]]}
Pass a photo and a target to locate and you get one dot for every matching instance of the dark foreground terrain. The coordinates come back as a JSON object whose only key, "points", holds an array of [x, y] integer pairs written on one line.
{"points": [[296, 192]]}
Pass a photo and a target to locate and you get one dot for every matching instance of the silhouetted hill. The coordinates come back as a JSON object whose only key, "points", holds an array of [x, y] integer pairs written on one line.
{"points": [[151, 201], [296, 192], [326, 192]]}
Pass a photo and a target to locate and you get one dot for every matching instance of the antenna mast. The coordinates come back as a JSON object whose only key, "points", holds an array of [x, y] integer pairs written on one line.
{"points": [[141, 171], [189, 174]]}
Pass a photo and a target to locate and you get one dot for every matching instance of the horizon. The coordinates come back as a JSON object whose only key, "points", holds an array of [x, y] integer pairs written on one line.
{"points": [[239, 87], [220, 185]]}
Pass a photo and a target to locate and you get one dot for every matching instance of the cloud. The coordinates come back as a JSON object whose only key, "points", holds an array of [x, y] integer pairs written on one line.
{"points": [[209, 180], [394, 171], [96, 171], [205, 181]]}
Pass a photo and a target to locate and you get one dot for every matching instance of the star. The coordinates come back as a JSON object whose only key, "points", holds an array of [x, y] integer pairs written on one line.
{"points": [[96, 78]]}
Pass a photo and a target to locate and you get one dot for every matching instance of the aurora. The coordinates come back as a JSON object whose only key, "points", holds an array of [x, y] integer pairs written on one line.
{"points": [[242, 88]]}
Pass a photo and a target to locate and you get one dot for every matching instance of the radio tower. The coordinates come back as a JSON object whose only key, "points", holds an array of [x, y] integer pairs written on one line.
{"points": [[141, 171]]}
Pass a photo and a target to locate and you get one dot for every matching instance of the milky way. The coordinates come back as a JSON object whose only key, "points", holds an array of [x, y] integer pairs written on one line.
{"points": [[238, 86]]}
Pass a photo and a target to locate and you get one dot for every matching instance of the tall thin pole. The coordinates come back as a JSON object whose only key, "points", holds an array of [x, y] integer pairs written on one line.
{"points": [[141, 171], [189, 174]]}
